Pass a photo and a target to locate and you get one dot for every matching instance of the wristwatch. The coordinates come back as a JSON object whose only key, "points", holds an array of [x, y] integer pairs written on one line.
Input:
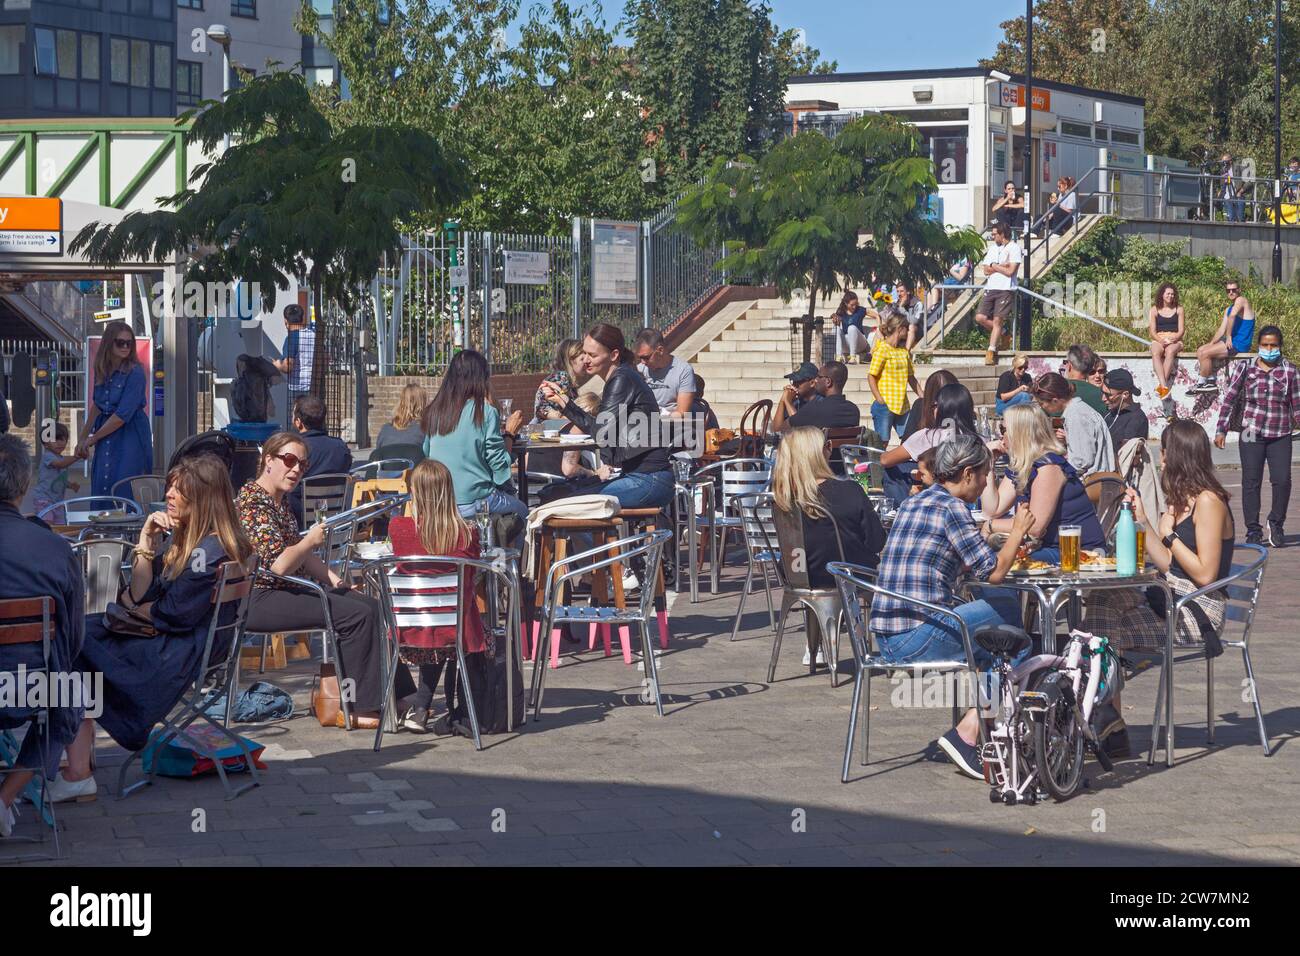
{"points": [[1168, 541]]}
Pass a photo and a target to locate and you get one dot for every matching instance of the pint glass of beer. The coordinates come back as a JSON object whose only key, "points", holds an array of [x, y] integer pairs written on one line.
{"points": [[1141, 547], [1069, 536]]}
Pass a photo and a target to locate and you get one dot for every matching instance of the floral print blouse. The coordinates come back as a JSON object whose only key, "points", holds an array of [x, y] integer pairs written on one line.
{"points": [[270, 527], [540, 403]]}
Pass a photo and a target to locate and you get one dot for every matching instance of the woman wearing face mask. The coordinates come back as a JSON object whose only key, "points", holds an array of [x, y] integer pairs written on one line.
{"points": [[1270, 414]]}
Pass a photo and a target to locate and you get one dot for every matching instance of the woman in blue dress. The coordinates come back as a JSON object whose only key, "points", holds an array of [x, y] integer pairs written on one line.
{"points": [[174, 573], [120, 435]]}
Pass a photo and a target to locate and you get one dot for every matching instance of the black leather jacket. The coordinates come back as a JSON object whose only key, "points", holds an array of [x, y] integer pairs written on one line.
{"points": [[627, 402]]}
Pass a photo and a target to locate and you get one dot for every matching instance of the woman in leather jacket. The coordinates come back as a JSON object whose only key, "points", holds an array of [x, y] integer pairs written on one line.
{"points": [[633, 453]]}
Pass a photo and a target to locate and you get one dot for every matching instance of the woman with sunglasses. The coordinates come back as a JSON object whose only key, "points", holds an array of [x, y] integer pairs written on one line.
{"points": [[272, 527], [120, 436]]}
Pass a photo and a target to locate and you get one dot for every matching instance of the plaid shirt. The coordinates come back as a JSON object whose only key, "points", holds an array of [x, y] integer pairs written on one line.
{"points": [[894, 367], [932, 541], [1272, 407]]}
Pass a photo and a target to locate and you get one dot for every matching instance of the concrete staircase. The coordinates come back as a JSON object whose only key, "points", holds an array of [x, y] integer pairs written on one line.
{"points": [[744, 354], [961, 313]]}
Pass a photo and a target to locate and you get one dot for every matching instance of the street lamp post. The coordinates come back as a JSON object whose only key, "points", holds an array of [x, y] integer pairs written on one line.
{"points": [[220, 34], [1277, 141], [1026, 306]]}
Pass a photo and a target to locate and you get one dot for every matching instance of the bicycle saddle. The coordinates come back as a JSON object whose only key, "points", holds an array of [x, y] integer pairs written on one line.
{"points": [[1002, 640]]}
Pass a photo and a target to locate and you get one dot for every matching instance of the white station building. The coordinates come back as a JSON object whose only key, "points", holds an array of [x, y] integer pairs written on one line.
{"points": [[973, 121]]}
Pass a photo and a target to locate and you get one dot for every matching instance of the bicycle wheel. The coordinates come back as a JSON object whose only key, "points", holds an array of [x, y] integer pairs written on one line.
{"points": [[1058, 750]]}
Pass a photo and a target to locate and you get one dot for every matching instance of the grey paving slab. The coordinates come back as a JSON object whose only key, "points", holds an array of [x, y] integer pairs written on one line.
{"points": [[719, 781]]}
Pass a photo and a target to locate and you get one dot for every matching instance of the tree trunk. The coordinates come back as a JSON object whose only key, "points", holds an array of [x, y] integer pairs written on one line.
{"points": [[808, 321], [320, 359]]}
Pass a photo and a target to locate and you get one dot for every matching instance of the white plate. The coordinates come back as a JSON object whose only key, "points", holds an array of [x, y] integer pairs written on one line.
{"points": [[374, 550], [574, 439]]}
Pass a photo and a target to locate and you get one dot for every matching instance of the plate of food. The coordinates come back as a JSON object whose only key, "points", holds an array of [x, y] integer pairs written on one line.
{"points": [[574, 438], [1096, 561], [1032, 566]]}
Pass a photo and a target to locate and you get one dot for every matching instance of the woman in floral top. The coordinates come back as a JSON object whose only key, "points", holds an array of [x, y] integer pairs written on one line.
{"points": [[276, 607], [567, 374]]}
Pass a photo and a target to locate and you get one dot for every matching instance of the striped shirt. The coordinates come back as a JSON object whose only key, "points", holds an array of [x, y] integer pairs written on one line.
{"points": [[301, 347], [1272, 406], [893, 366], [932, 541]]}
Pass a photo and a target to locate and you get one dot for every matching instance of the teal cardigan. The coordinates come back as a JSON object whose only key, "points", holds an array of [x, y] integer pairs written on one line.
{"points": [[475, 456]]}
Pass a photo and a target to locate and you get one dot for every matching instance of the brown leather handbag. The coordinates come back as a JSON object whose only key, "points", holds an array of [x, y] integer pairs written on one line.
{"points": [[326, 701]]}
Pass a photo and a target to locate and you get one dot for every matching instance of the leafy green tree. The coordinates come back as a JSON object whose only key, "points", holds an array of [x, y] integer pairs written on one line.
{"points": [[712, 76], [291, 197], [817, 214]]}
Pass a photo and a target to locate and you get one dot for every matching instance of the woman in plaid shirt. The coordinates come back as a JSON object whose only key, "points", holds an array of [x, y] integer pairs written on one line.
{"points": [[1270, 414], [932, 543]]}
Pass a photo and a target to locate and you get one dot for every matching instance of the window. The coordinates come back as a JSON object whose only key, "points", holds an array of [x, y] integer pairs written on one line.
{"points": [[162, 66], [243, 8], [90, 56], [189, 83], [1082, 130], [47, 59], [1103, 134], [190, 4], [11, 50], [66, 47], [930, 115], [320, 75], [139, 62], [119, 58], [1124, 136], [948, 152]]}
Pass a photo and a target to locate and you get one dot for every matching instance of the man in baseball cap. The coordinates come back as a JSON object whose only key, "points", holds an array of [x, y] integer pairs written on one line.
{"points": [[1124, 419], [801, 391]]}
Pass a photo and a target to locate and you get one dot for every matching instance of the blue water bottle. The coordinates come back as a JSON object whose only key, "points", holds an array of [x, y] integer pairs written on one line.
{"points": [[1126, 542]]}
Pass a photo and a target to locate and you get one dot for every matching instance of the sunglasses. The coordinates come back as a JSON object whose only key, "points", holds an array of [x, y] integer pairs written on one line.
{"points": [[292, 461], [124, 343]]}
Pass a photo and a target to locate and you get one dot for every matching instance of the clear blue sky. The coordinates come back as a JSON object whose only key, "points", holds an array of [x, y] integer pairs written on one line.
{"points": [[867, 35]]}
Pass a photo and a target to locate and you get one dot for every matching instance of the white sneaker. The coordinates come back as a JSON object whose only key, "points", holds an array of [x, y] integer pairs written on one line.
{"points": [[60, 790], [8, 815], [630, 583], [807, 658]]}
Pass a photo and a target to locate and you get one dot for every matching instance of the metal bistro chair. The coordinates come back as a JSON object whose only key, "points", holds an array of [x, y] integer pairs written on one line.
{"points": [[145, 489], [689, 495], [381, 468], [648, 546], [1243, 586], [736, 476], [325, 495], [839, 438], [760, 536], [31, 621], [431, 591], [821, 605], [1106, 492], [106, 562], [92, 505], [216, 680], [858, 587]]}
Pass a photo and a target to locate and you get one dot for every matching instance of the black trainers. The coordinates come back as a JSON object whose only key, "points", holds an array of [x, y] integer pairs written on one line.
{"points": [[1254, 537], [964, 755], [1275, 536]]}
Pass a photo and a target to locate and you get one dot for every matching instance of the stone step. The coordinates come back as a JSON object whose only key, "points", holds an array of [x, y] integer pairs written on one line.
{"points": [[746, 332]]}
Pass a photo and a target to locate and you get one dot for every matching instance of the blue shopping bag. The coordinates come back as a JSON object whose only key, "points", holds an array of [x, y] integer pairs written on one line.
{"points": [[187, 755]]}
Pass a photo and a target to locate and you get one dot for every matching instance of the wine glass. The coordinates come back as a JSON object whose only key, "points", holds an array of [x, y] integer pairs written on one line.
{"points": [[506, 404]]}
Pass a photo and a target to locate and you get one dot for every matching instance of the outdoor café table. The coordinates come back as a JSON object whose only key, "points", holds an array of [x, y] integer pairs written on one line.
{"points": [[1055, 588], [523, 444]]}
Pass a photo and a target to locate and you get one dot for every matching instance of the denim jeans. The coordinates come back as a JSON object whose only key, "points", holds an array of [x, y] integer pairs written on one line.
{"points": [[884, 421], [1001, 407], [634, 490], [938, 639], [498, 503]]}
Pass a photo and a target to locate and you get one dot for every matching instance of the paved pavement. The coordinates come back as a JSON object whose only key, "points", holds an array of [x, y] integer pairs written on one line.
{"points": [[738, 771]]}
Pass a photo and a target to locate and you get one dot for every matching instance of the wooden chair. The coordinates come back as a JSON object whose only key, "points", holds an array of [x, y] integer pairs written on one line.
{"points": [[837, 438], [372, 489], [1106, 492], [755, 428]]}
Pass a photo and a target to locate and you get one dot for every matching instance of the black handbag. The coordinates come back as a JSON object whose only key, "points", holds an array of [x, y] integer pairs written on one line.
{"points": [[132, 621]]}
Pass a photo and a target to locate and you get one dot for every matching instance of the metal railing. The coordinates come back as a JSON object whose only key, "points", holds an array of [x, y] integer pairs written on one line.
{"points": [[1015, 318], [70, 385]]}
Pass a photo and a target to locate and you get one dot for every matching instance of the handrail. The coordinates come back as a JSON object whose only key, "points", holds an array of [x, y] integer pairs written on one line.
{"points": [[1052, 302]]}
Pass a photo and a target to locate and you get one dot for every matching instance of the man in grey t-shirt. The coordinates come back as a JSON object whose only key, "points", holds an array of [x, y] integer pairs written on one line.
{"points": [[671, 379]]}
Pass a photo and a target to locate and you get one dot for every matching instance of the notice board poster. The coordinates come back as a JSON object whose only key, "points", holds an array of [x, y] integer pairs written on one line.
{"points": [[614, 273], [527, 268], [143, 354]]}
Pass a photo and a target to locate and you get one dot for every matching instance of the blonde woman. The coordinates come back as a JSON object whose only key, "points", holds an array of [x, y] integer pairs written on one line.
{"points": [[890, 376], [1016, 386], [121, 435], [802, 483], [434, 528], [1040, 476], [405, 429], [174, 570]]}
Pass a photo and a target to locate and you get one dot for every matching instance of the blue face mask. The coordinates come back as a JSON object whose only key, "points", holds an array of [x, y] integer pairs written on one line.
{"points": [[1270, 355]]}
